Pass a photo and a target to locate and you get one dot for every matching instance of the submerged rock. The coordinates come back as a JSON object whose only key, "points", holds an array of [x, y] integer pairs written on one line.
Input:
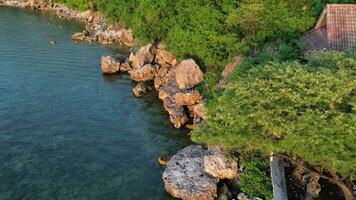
{"points": [[80, 36], [140, 89], [218, 165], [185, 177], [164, 159]]}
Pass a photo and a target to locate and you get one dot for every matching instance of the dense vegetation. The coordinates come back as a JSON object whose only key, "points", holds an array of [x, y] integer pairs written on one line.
{"points": [[304, 110], [214, 31], [255, 179]]}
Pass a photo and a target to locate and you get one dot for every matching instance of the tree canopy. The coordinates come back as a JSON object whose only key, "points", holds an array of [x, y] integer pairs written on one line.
{"points": [[303, 110]]}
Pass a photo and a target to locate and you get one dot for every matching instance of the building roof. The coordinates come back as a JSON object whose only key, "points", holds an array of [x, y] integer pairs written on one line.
{"points": [[340, 23], [336, 28]]}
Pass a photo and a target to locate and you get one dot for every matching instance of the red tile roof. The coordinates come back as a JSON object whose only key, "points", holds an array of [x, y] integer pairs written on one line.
{"points": [[336, 28], [341, 26]]}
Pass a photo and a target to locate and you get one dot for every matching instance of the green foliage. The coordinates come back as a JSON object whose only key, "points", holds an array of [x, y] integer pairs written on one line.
{"points": [[255, 179], [214, 31], [304, 110]]}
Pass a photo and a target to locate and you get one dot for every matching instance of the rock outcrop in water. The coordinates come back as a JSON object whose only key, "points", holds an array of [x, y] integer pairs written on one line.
{"points": [[174, 81], [193, 173], [97, 29]]}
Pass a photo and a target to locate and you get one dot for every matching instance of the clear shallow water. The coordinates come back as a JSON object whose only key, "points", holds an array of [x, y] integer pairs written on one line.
{"points": [[67, 131]]}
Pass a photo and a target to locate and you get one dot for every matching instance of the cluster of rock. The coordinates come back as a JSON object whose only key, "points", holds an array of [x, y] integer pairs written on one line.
{"points": [[193, 173], [175, 81], [96, 27]]}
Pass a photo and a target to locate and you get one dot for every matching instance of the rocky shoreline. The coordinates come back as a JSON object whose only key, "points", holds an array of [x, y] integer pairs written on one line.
{"points": [[150, 66], [194, 172], [97, 28], [153, 66]]}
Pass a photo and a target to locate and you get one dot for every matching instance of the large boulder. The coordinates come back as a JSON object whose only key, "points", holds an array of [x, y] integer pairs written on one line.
{"points": [[145, 73], [188, 74], [185, 177], [218, 165], [109, 65]]}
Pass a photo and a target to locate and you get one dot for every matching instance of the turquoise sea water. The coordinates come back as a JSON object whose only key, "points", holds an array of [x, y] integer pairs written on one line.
{"points": [[66, 131]]}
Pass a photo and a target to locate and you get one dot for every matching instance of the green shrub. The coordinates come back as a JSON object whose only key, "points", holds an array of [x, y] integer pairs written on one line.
{"points": [[255, 179], [304, 110]]}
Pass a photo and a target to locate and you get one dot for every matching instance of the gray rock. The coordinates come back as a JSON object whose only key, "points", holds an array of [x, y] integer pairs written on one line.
{"points": [[185, 177]]}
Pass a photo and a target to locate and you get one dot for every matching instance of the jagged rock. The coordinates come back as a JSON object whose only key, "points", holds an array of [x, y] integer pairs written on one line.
{"points": [[198, 112], [185, 178], [125, 66], [145, 73], [165, 58], [229, 68], [218, 165], [140, 89], [80, 36], [145, 55], [109, 65], [161, 77], [188, 74], [188, 98], [127, 37], [176, 113]]}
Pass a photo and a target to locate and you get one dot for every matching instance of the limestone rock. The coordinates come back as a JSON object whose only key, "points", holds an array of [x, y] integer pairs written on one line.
{"points": [[127, 37], [198, 112], [218, 165], [161, 77], [188, 74], [109, 65], [145, 73], [185, 177], [145, 55], [176, 113], [165, 58], [140, 89], [188, 98], [125, 66]]}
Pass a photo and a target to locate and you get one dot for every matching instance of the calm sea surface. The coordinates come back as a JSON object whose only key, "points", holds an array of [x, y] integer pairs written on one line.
{"points": [[66, 131]]}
